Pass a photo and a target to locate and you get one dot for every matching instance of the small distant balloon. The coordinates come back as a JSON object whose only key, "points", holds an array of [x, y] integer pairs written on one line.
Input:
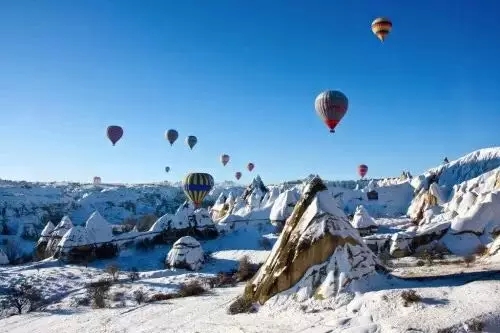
{"points": [[224, 158], [191, 141], [331, 106], [237, 175], [114, 133], [381, 27], [167, 169], [362, 170], [250, 166], [197, 186], [97, 180], [171, 135]]}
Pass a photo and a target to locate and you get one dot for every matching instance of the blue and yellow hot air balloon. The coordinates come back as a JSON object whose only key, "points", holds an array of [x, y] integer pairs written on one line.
{"points": [[197, 185]]}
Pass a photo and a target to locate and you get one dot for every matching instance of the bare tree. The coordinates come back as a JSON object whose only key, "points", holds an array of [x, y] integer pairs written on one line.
{"points": [[23, 297]]}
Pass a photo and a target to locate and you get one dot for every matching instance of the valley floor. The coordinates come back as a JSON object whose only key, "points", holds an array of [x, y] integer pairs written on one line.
{"points": [[444, 303]]}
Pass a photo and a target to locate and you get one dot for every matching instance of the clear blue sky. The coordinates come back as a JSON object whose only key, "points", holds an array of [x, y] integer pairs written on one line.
{"points": [[243, 76]]}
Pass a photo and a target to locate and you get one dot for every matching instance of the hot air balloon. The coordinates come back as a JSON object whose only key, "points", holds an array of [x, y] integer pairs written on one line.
{"points": [[114, 133], [224, 158], [191, 141], [167, 169], [97, 180], [362, 170], [381, 27], [171, 135], [196, 186], [331, 106], [237, 175], [250, 166]]}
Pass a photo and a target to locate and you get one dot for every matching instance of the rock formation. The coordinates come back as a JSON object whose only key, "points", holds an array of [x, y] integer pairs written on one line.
{"points": [[363, 222], [318, 253], [186, 253]]}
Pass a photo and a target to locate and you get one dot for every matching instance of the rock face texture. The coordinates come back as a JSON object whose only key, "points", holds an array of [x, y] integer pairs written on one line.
{"points": [[186, 253], [319, 254]]}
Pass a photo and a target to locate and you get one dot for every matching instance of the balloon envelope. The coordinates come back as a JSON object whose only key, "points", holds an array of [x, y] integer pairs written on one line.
{"points": [[381, 27], [362, 170], [191, 141], [224, 158], [171, 135], [331, 106], [197, 185], [167, 169], [250, 166], [237, 175], [114, 133]]}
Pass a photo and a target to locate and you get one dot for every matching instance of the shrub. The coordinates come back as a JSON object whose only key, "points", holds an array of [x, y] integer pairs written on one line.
{"points": [[481, 250], [162, 297], [475, 325], [265, 243], [13, 251], [246, 270], [98, 292], [192, 288], [133, 275], [410, 296], [114, 271], [240, 305], [117, 296], [23, 297], [144, 244], [146, 222], [469, 259], [139, 296]]}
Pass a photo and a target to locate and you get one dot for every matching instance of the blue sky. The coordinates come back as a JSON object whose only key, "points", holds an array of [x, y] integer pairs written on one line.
{"points": [[242, 76]]}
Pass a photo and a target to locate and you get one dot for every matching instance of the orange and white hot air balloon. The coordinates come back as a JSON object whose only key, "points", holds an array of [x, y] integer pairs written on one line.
{"points": [[381, 27]]}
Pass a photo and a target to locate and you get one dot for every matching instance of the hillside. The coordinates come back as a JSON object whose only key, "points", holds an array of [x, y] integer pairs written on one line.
{"points": [[334, 258]]}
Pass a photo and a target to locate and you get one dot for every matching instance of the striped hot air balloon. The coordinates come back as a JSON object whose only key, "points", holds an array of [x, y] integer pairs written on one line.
{"points": [[381, 27], [197, 185], [331, 106], [362, 170]]}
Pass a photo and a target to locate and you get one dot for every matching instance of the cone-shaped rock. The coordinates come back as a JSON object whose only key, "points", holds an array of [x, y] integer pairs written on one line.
{"points": [[318, 253]]}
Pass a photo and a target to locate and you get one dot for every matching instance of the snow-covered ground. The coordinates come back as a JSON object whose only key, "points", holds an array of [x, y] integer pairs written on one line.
{"points": [[435, 234]]}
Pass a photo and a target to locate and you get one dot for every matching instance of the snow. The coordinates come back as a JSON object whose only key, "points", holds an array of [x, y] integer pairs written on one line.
{"points": [[62, 227], [98, 229], [163, 223], [283, 205], [74, 237], [186, 253], [465, 215], [46, 232], [362, 219]]}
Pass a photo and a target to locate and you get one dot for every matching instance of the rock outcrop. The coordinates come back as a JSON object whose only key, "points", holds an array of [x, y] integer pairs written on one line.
{"points": [[57, 234], [363, 222], [4, 260], [186, 253], [283, 207], [318, 254]]}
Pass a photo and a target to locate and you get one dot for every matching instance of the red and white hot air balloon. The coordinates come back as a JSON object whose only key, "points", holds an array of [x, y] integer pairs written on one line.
{"points": [[362, 170]]}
